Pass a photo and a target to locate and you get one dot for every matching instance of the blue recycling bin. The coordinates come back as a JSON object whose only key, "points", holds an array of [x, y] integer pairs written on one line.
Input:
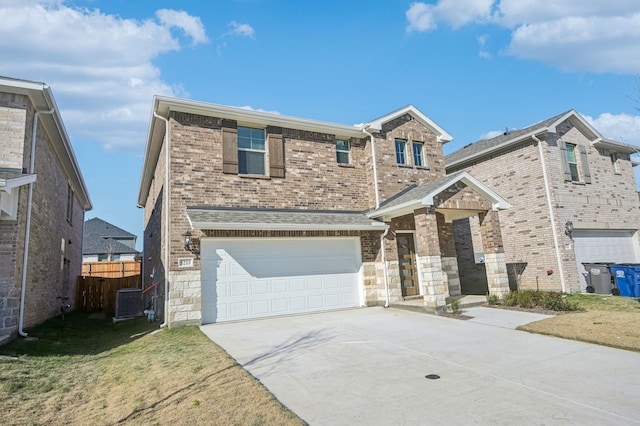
{"points": [[627, 279]]}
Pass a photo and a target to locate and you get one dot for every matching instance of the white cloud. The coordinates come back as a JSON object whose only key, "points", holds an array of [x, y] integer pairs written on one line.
{"points": [[235, 30], [573, 35], [191, 25], [424, 17], [620, 127], [491, 134], [99, 66], [241, 30]]}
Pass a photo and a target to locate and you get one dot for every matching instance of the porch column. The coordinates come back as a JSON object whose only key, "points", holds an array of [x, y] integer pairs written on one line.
{"points": [[494, 258], [431, 277], [449, 256]]}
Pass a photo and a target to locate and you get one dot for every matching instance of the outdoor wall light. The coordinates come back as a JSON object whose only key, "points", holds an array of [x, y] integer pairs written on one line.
{"points": [[568, 229], [187, 240]]}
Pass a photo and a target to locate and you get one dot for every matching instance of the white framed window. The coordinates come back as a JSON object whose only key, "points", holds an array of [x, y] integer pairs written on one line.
{"points": [[251, 151], [401, 151], [418, 154], [343, 149]]}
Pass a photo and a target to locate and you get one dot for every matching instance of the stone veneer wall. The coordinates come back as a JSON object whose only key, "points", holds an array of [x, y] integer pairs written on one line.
{"points": [[497, 278]]}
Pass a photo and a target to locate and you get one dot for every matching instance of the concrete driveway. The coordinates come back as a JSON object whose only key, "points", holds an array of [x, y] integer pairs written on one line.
{"points": [[368, 366]]}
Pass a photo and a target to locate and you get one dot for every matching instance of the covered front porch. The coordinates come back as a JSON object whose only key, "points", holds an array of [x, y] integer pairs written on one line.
{"points": [[419, 258]]}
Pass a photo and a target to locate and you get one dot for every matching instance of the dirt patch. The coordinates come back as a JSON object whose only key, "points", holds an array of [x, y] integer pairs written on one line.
{"points": [[615, 329]]}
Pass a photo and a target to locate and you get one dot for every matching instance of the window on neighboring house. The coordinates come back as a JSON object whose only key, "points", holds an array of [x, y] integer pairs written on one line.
{"points": [[575, 163], [103, 258], [342, 151], [69, 204], [418, 154], [251, 151], [614, 162], [401, 151]]}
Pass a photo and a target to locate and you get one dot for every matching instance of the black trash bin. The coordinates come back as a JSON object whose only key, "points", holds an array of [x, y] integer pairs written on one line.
{"points": [[599, 277]]}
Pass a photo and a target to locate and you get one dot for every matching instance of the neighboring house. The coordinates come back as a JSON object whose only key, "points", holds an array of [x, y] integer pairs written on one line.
{"points": [[251, 214], [573, 196], [106, 243], [43, 198]]}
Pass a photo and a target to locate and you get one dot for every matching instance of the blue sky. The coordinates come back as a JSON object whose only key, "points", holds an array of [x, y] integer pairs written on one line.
{"points": [[475, 67]]}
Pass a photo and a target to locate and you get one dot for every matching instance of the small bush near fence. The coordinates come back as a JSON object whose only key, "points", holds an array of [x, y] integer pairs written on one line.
{"points": [[97, 294]]}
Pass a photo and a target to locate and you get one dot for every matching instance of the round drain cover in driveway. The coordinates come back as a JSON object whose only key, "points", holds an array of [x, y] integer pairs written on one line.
{"points": [[432, 376]]}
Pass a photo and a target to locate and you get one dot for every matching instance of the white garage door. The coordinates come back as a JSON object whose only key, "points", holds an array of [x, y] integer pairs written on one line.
{"points": [[604, 247], [253, 278]]}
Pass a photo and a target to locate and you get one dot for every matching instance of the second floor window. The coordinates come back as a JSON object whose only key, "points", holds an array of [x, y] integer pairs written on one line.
{"points": [[614, 162], [401, 151], [342, 151], [251, 151], [418, 154], [573, 162]]}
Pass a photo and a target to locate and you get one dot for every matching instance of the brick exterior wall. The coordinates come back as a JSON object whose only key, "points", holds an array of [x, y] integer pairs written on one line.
{"points": [[53, 238], [312, 180], [392, 177], [609, 202]]}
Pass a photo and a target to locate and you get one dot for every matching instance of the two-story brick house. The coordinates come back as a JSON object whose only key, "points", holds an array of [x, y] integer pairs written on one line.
{"points": [[43, 198], [271, 214], [573, 196]]}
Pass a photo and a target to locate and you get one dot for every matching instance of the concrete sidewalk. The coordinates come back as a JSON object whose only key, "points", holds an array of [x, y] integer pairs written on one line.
{"points": [[369, 366]]}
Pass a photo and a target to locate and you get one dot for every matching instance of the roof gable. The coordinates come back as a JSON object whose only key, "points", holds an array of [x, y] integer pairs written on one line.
{"points": [[487, 146], [415, 197], [101, 228], [442, 135]]}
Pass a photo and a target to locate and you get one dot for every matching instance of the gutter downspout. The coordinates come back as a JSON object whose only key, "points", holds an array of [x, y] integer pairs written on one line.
{"points": [[551, 215], [27, 235], [166, 222], [384, 266], [375, 168]]}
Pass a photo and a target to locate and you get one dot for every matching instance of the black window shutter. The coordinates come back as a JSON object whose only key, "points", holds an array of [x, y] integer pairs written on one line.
{"points": [[584, 162], [565, 161]]}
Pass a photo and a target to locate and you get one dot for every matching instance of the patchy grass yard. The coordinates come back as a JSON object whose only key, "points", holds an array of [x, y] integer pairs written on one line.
{"points": [[606, 320], [90, 371]]}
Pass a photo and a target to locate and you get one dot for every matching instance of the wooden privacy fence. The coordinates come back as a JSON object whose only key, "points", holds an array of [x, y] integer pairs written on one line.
{"points": [[98, 294], [115, 269]]}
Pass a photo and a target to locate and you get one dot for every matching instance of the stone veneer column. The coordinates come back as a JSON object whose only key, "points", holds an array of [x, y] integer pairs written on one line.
{"points": [[449, 256], [431, 277], [185, 298], [494, 257], [497, 277]]}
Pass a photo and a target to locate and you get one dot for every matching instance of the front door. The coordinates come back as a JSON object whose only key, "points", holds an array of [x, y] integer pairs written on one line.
{"points": [[406, 262]]}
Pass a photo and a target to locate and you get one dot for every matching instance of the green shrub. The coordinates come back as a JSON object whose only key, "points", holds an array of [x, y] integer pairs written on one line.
{"points": [[493, 299], [454, 306], [534, 298]]}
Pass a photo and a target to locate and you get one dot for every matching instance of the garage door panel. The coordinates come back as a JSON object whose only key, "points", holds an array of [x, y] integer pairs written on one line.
{"points": [[257, 278], [279, 305]]}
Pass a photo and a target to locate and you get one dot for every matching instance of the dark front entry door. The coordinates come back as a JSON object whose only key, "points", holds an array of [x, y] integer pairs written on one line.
{"points": [[406, 261]]}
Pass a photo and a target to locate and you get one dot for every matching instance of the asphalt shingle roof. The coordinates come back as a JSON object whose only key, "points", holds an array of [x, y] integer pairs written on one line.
{"points": [[415, 192], [100, 238], [264, 218], [487, 144]]}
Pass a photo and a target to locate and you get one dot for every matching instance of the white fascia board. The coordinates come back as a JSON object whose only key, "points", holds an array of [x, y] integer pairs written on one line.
{"points": [[397, 210], [442, 135], [8, 184], [579, 122], [616, 146], [167, 104], [231, 226]]}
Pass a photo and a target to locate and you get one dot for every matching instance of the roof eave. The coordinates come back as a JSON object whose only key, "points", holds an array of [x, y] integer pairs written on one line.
{"points": [[234, 226]]}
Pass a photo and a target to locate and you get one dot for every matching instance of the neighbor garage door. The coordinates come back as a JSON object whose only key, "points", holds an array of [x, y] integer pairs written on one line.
{"points": [[253, 278], [604, 247]]}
